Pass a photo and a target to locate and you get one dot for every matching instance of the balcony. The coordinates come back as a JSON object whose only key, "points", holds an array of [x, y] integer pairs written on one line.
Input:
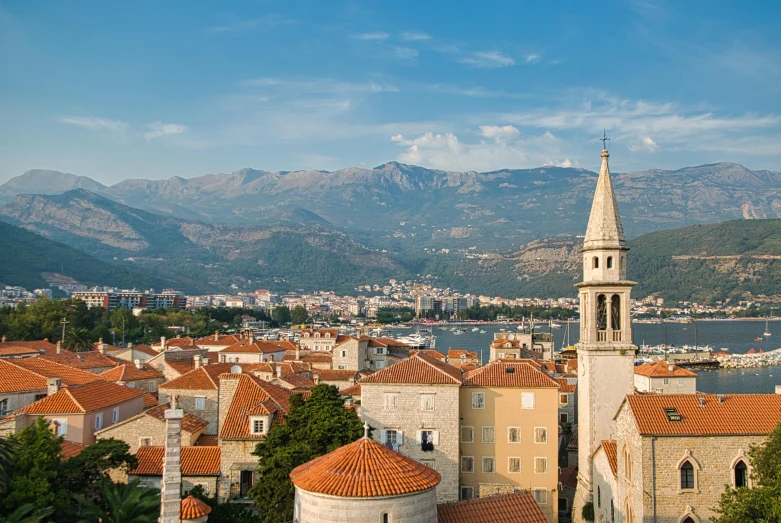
{"points": [[610, 335], [601, 335]]}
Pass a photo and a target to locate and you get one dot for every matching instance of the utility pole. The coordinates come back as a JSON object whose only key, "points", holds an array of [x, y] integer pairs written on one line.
{"points": [[64, 322]]}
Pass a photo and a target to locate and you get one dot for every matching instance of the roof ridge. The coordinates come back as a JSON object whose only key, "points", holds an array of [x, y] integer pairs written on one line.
{"points": [[434, 362], [68, 391]]}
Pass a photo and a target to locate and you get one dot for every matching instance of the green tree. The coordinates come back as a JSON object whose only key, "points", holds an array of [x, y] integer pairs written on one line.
{"points": [[84, 473], [281, 315], [312, 428], [26, 514], [36, 471], [226, 512], [77, 340], [8, 452], [763, 501], [120, 503], [298, 315]]}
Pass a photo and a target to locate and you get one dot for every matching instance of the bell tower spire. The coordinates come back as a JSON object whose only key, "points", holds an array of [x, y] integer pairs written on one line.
{"points": [[605, 349]]}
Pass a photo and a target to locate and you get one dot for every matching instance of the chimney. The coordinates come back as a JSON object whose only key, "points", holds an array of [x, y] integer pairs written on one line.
{"points": [[251, 338], [279, 371], [463, 358], [216, 335], [130, 345], [171, 489], [162, 343], [52, 385], [4, 338], [701, 400], [101, 346], [720, 398], [59, 346], [298, 352], [197, 361], [138, 364], [670, 367], [271, 358], [778, 389], [206, 361]]}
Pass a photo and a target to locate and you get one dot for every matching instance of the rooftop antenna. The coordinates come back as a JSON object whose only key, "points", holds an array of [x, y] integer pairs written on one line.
{"points": [[604, 139]]}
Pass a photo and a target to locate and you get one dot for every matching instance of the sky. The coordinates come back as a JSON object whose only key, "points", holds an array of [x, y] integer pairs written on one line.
{"points": [[149, 89]]}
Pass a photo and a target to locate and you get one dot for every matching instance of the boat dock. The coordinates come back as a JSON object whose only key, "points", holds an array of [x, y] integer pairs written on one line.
{"points": [[747, 361]]}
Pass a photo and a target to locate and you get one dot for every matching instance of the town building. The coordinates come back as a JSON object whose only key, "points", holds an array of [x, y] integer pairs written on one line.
{"points": [[521, 345], [148, 300], [197, 392], [134, 375], [664, 378]]}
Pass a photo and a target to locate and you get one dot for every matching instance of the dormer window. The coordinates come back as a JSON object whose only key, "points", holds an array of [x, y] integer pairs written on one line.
{"points": [[258, 425], [327, 334], [317, 335]]}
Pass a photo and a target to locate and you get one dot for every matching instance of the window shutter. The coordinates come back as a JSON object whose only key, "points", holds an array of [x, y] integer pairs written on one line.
{"points": [[383, 436], [418, 437], [436, 437], [399, 437]]}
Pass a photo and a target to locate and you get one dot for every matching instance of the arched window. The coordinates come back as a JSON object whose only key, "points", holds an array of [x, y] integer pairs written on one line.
{"points": [[630, 514], [384, 518], [601, 312], [599, 497], [627, 464], [596, 262], [609, 262], [687, 476], [741, 474], [688, 520], [615, 312], [621, 262]]}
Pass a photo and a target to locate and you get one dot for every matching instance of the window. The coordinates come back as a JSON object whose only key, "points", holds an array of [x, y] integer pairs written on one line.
{"points": [[595, 262], [563, 399], [343, 367], [200, 403], [478, 400], [741, 474], [564, 417], [527, 400], [380, 351], [612, 512], [563, 505], [687, 476], [391, 437], [513, 434], [609, 262], [391, 401], [152, 386], [541, 496], [467, 492], [540, 465], [4, 407], [344, 353], [98, 421], [115, 415], [666, 381], [540, 435], [599, 497], [615, 312], [514, 465], [627, 464], [385, 518], [489, 465], [427, 402], [467, 434], [144, 442], [258, 426], [37, 397], [680, 382], [428, 438], [62, 426], [467, 464], [488, 435], [380, 364]]}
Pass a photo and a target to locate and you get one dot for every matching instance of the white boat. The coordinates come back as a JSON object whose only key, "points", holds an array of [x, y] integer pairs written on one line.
{"points": [[418, 340], [475, 329], [459, 332], [767, 332], [555, 326], [482, 332]]}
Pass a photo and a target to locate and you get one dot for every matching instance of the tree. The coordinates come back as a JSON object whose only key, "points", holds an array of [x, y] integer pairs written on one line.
{"points": [[298, 315], [281, 315], [36, 471], [225, 512], [26, 514], [311, 428], [84, 473], [763, 501], [120, 503], [77, 340], [8, 452]]}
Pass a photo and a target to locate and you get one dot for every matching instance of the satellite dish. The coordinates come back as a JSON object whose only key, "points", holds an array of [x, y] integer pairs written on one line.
{"points": [[236, 369]]}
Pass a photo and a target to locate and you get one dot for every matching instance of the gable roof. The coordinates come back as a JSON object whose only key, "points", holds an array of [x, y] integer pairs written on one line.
{"points": [[257, 347], [733, 414], [129, 372], [433, 353], [30, 374], [205, 377], [252, 397], [190, 422], [457, 353], [336, 374], [565, 386], [37, 345], [8, 351], [499, 508], [364, 469], [661, 369], [610, 448], [196, 461], [81, 360], [79, 399], [508, 373], [420, 368]]}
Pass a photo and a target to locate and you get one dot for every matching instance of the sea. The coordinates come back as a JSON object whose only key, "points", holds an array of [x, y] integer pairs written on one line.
{"points": [[736, 335]]}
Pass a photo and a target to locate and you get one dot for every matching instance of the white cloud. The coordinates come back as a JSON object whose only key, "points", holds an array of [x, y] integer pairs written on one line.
{"points": [[646, 144], [405, 53], [90, 122], [533, 58], [496, 132], [414, 36], [159, 129], [377, 36], [487, 60]]}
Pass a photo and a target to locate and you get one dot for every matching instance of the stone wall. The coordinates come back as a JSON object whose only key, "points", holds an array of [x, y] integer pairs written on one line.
{"points": [[234, 452], [604, 489], [420, 507], [133, 430], [187, 403]]}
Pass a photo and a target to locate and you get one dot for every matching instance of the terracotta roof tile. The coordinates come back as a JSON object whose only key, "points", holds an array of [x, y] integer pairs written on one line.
{"points": [[336, 375], [501, 508], [611, 452], [82, 398], [13, 350], [196, 461], [355, 390], [661, 369], [252, 397], [564, 385], [465, 366], [82, 360], [433, 353], [508, 373], [190, 422], [149, 400], [37, 345], [420, 368], [735, 414], [207, 440], [258, 347], [298, 382], [457, 353], [390, 342], [223, 339], [129, 372], [363, 469], [202, 378], [71, 449], [26, 374], [194, 508]]}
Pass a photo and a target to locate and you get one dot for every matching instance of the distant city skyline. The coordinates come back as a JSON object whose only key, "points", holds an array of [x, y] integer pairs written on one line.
{"points": [[148, 90]]}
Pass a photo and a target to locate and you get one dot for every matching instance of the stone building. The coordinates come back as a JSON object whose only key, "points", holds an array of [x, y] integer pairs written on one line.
{"points": [[341, 379], [198, 392], [672, 455], [135, 375], [252, 351], [367, 353], [320, 339], [365, 482], [413, 408], [509, 432], [200, 467], [568, 400], [664, 378]]}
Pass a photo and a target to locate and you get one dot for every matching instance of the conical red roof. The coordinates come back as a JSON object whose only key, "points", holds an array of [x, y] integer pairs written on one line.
{"points": [[194, 508], [364, 469]]}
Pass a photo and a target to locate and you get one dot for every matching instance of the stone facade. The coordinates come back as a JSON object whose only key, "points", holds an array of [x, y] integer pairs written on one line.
{"points": [[350, 355], [147, 428], [605, 490], [420, 507], [404, 416], [187, 401], [208, 483], [671, 385]]}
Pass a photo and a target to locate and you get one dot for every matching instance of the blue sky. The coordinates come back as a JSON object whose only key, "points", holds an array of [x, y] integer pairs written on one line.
{"points": [[144, 89]]}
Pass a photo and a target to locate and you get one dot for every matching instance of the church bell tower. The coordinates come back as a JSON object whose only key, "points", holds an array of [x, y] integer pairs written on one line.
{"points": [[605, 350]]}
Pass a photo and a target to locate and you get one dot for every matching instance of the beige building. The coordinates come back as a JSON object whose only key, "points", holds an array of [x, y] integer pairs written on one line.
{"points": [[367, 353], [662, 377], [198, 392], [674, 454], [135, 375], [509, 433], [413, 408], [252, 351], [320, 339]]}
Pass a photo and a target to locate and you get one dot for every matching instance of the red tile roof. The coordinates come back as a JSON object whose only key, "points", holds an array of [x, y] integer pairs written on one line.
{"points": [[71, 449], [258, 347], [364, 469], [336, 375], [661, 369], [202, 378], [190, 422], [82, 360], [30, 374], [194, 508], [355, 390], [500, 508], [298, 382], [433, 353], [13, 350], [457, 353], [420, 368], [223, 339], [129, 372], [37, 345], [252, 397], [611, 452], [736, 414], [196, 461], [207, 440], [149, 400], [497, 374], [83, 398], [564, 385]]}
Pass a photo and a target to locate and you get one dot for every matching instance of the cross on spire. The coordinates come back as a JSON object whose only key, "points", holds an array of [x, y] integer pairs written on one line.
{"points": [[604, 139]]}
